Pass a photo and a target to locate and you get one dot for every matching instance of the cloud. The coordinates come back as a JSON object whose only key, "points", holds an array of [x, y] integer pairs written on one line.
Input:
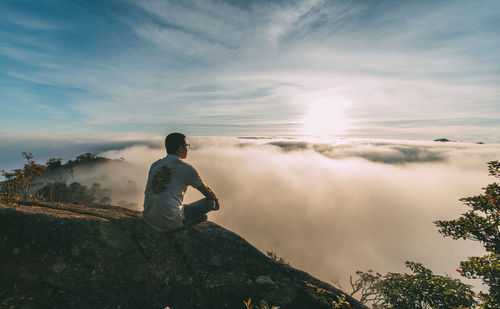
{"points": [[65, 147], [290, 146], [393, 152], [197, 24], [333, 216], [329, 208], [229, 67], [30, 22]]}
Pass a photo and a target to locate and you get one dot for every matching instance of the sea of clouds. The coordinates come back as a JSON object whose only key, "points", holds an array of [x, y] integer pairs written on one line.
{"points": [[329, 207]]}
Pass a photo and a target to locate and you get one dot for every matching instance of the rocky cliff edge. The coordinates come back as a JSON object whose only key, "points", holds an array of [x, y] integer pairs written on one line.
{"points": [[79, 256]]}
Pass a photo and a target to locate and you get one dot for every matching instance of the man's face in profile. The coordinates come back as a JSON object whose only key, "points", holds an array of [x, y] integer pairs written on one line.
{"points": [[183, 150]]}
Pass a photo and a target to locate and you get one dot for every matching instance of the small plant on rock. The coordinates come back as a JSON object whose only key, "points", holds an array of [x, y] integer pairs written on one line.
{"points": [[263, 305], [273, 255]]}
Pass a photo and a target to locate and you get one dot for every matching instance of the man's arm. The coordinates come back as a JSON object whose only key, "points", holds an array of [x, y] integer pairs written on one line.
{"points": [[209, 193]]}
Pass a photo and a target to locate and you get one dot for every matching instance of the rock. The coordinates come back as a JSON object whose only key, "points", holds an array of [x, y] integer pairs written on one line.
{"points": [[264, 280], [106, 257], [75, 251], [58, 267], [215, 260]]}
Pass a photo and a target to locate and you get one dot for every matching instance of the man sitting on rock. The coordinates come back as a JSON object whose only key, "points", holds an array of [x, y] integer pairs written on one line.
{"points": [[168, 180]]}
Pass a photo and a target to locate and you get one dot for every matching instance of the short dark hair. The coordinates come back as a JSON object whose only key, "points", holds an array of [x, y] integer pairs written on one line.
{"points": [[173, 141]]}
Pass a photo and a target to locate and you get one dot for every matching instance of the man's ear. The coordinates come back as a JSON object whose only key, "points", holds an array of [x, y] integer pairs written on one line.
{"points": [[179, 149]]}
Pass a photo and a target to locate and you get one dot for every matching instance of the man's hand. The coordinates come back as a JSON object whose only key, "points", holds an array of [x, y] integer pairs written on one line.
{"points": [[209, 193], [217, 206]]}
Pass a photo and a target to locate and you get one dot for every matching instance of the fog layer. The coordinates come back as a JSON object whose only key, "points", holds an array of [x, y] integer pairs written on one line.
{"points": [[334, 207]]}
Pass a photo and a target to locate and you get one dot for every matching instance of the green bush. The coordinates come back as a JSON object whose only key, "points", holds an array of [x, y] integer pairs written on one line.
{"points": [[75, 193], [423, 289], [480, 223]]}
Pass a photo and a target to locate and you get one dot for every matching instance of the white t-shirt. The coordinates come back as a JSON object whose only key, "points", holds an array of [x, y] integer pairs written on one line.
{"points": [[168, 179]]}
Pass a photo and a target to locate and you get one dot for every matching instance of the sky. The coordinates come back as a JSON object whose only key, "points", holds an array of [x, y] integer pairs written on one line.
{"points": [[119, 68]]}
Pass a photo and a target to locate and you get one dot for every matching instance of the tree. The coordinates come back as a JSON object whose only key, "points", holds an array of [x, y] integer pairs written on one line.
{"points": [[86, 157], [419, 290], [480, 223], [75, 193], [423, 289], [369, 286], [20, 183], [53, 163], [53, 192], [366, 288]]}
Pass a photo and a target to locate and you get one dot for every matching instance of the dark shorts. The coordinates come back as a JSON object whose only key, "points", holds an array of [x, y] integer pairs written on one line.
{"points": [[197, 209]]}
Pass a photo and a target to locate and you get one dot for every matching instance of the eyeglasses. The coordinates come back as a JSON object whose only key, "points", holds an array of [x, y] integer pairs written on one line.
{"points": [[187, 146]]}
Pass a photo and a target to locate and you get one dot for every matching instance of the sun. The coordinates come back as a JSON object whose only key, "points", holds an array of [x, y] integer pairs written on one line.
{"points": [[324, 117]]}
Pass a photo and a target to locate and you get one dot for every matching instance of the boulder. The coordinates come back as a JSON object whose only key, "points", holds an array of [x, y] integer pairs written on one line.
{"points": [[56, 255]]}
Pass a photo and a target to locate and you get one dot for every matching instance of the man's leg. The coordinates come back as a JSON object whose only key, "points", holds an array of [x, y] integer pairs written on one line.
{"points": [[195, 211]]}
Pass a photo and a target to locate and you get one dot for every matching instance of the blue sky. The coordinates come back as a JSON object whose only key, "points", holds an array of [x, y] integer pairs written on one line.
{"points": [[397, 69]]}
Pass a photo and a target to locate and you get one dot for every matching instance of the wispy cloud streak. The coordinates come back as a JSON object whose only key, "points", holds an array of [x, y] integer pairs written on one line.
{"points": [[213, 62]]}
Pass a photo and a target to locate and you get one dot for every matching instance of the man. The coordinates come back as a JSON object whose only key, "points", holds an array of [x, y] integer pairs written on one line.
{"points": [[168, 180]]}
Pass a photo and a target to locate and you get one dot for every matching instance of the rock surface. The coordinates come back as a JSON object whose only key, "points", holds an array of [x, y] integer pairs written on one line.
{"points": [[76, 256]]}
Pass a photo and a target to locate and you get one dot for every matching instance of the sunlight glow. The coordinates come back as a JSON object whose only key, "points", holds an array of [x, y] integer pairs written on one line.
{"points": [[325, 117]]}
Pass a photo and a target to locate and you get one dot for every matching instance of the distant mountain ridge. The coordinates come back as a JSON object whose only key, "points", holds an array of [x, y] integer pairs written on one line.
{"points": [[444, 140]]}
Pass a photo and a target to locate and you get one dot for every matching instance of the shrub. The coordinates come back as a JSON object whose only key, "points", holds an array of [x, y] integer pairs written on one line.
{"points": [[19, 184], [480, 223], [75, 193], [423, 289]]}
